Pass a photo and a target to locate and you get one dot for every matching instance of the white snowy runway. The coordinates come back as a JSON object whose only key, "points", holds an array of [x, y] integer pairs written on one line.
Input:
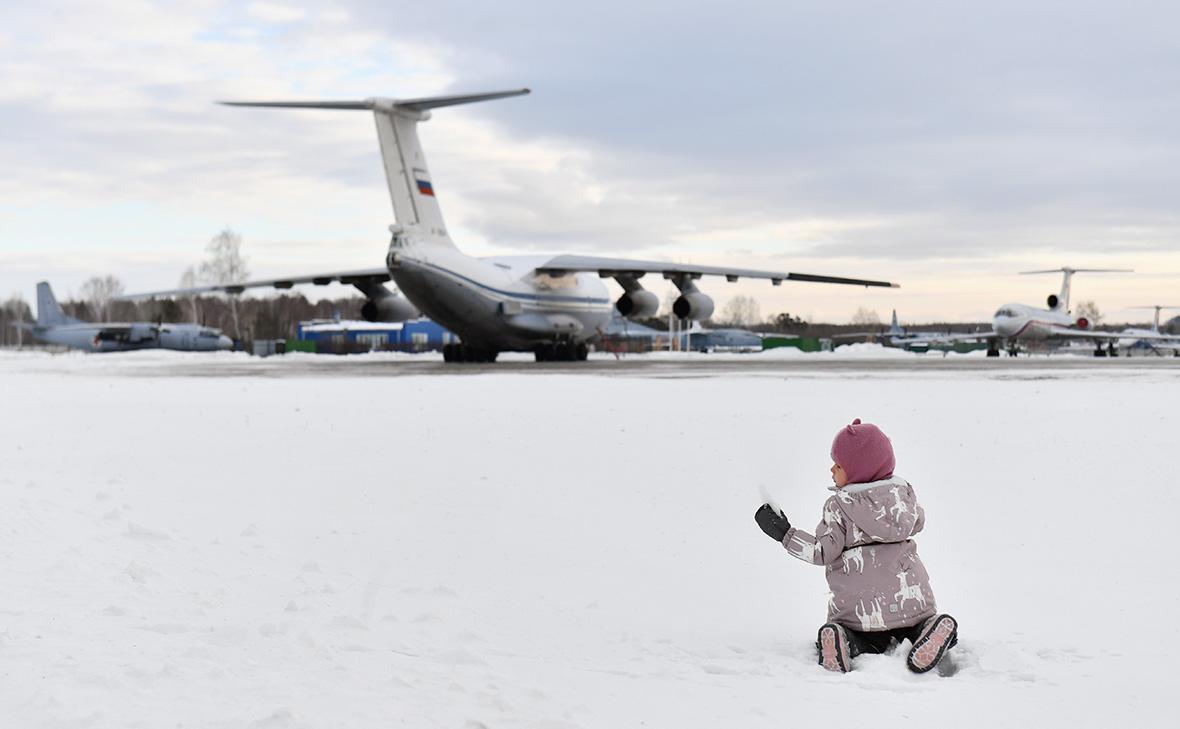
{"points": [[555, 550]]}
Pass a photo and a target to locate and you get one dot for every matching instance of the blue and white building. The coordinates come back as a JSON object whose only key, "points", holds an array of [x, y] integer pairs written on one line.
{"points": [[414, 335]]}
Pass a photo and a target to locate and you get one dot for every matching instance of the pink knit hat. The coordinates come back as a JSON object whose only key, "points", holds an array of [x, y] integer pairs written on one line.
{"points": [[864, 452]]}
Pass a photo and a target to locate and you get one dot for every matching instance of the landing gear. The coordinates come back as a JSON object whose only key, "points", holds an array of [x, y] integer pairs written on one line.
{"points": [[993, 348], [468, 353], [564, 350], [1110, 351]]}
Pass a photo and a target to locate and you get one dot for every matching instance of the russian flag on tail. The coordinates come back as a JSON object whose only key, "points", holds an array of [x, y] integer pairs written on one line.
{"points": [[425, 188]]}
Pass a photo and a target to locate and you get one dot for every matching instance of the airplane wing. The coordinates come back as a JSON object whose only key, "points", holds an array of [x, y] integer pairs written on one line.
{"points": [[362, 276], [859, 335], [1069, 333], [966, 337], [614, 267]]}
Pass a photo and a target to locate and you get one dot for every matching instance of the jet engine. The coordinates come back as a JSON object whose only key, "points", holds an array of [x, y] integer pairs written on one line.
{"points": [[638, 304], [383, 305], [693, 305], [1052, 301], [1083, 323]]}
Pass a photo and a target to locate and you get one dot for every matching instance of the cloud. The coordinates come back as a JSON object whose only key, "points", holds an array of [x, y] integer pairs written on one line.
{"points": [[876, 142], [274, 13]]}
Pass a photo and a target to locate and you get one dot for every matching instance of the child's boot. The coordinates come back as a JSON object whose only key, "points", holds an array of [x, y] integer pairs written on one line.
{"points": [[939, 634], [834, 649]]}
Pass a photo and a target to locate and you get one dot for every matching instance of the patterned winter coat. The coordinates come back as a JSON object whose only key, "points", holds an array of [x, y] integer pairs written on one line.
{"points": [[877, 581]]}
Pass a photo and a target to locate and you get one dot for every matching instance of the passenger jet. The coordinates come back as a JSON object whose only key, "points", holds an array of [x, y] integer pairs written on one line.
{"points": [[1014, 324]]}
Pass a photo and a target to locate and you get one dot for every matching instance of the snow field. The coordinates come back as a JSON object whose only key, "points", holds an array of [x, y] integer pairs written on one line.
{"points": [[527, 550]]}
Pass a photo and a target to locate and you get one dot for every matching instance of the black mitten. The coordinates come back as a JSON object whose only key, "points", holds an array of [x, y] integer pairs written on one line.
{"points": [[772, 522]]}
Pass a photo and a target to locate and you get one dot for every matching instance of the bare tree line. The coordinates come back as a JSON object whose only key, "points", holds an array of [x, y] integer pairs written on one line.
{"points": [[13, 311], [244, 319], [258, 318], [247, 319]]}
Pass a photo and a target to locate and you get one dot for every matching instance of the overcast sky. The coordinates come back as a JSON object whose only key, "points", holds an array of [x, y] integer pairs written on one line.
{"points": [[943, 145]]}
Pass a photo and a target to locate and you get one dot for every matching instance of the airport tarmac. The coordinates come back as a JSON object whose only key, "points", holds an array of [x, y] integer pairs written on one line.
{"points": [[657, 365]]}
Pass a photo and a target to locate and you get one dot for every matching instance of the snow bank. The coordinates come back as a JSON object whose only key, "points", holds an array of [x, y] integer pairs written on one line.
{"points": [[563, 551]]}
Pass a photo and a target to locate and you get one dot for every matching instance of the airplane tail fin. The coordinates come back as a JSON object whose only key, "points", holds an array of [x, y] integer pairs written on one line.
{"points": [[895, 329], [1155, 324], [410, 188], [1061, 302], [49, 312]]}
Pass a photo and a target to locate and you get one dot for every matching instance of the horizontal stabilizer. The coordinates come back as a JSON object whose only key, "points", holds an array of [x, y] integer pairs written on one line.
{"points": [[429, 102], [435, 102], [1080, 270], [350, 105], [411, 189]]}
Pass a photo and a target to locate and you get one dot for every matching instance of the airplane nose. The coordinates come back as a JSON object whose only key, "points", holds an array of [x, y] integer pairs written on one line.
{"points": [[224, 342]]}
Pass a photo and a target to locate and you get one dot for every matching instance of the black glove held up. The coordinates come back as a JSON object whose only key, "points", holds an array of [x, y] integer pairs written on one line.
{"points": [[772, 522]]}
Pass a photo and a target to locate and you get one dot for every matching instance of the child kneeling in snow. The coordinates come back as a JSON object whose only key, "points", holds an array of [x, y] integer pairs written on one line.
{"points": [[880, 592]]}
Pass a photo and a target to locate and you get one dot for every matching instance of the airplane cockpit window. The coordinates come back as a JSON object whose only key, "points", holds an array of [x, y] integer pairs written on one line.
{"points": [[550, 282], [207, 333]]}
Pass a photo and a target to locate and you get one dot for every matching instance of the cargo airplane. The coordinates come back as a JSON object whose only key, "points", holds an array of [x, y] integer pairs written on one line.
{"points": [[549, 305]]}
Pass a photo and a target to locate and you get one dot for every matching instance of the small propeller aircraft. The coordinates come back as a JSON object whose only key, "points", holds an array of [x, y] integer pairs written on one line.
{"points": [[54, 327]]}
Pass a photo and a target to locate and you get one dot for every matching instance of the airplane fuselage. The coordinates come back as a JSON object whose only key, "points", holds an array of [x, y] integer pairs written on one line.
{"points": [[1024, 322], [131, 336], [500, 302]]}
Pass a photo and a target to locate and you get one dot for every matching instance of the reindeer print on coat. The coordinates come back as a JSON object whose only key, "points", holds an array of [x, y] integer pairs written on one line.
{"points": [[870, 619], [832, 517], [898, 507], [854, 556], [878, 518], [908, 591], [804, 549]]}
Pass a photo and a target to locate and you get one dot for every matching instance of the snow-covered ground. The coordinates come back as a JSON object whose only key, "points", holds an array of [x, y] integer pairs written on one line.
{"points": [[556, 550]]}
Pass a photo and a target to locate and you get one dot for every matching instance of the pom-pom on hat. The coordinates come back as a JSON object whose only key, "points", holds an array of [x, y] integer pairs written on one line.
{"points": [[864, 452]]}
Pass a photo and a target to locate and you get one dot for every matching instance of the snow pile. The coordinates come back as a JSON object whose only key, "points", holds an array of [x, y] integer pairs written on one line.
{"points": [[538, 550]]}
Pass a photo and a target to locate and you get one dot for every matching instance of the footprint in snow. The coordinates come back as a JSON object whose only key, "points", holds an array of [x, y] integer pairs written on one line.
{"points": [[349, 622], [135, 531], [138, 572], [283, 718], [459, 657]]}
